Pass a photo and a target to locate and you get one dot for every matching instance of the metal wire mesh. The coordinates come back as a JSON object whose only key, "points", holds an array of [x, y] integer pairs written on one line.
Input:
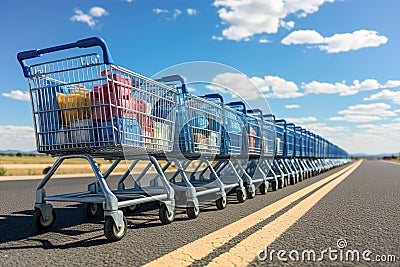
{"points": [[81, 105]]}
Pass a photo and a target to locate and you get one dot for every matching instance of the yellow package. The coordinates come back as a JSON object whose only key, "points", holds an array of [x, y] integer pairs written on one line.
{"points": [[74, 106]]}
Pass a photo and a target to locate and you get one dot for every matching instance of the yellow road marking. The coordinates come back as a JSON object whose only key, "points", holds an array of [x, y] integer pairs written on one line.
{"points": [[200, 248], [246, 251]]}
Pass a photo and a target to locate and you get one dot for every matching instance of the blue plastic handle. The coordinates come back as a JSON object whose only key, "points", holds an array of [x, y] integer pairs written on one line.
{"points": [[174, 78], [84, 43], [214, 96], [256, 112], [281, 121], [238, 104]]}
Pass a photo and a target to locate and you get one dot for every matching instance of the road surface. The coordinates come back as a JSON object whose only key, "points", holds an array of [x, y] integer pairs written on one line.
{"points": [[350, 208]]}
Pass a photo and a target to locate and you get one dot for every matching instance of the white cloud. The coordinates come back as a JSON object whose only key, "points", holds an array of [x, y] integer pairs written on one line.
{"points": [[250, 17], [303, 37], [301, 120], [263, 41], [255, 87], [160, 11], [343, 89], [176, 13], [17, 137], [379, 109], [386, 95], [191, 11], [292, 106], [278, 87], [237, 84], [286, 24], [363, 113], [217, 38], [356, 118], [353, 41], [18, 95], [392, 128], [365, 138], [341, 42], [397, 111], [370, 143], [329, 132], [95, 11]]}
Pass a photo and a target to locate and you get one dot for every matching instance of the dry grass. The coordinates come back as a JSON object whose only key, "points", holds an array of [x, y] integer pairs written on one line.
{"points": [[33, 167], [40, 159]]}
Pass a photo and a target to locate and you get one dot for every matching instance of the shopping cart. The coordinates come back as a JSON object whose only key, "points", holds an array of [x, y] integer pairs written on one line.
{"points": [[85, 107]]}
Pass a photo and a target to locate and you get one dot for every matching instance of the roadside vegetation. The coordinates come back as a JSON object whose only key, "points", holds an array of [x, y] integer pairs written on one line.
{"points": [[22, 165]]}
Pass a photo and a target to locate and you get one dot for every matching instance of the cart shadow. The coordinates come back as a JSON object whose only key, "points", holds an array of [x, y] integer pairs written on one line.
{"points": [[17, 228]]}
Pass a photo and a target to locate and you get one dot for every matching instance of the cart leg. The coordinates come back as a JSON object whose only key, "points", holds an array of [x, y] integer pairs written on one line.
{"points": [[44, 215], [95, 187], [250, 187], [121, 185], [221, 201], [192, 202], [241, 190], [169, 203]]}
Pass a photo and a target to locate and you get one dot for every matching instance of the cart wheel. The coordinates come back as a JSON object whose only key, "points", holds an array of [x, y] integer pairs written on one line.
{"points": [[221, 203], [165, 216], [274, 185], [263, 189], [131, 209], [192, 212], [250, 195], [40, 223], [300, 178], [241, 197], [90, 210], [292, 180], [111, 231], [280, 184]]}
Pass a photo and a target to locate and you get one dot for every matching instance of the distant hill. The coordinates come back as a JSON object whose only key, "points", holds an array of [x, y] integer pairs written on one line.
{"points": [[14, 152], [363, 155]]}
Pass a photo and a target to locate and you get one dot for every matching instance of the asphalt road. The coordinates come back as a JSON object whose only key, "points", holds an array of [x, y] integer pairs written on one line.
{"points": [[363, 210]]}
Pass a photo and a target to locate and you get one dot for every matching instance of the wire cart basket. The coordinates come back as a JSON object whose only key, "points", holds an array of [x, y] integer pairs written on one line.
{"points": [[85, 107]]}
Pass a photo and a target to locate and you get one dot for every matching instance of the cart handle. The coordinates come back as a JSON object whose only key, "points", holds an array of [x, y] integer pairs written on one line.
{"points": [[218, 96], [281, 121], [238, 104], [174, 78], [84, 43], [256, 112]]}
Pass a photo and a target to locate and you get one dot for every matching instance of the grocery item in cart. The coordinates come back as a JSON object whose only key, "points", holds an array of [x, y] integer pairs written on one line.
{"points": [[74, 106]]}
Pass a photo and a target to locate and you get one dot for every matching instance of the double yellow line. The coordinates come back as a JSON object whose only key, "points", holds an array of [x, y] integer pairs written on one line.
{"points": [[246, 251]]}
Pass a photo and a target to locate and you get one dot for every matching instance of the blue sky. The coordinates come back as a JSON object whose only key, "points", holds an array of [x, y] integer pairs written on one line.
{"points": [[330, 66]]}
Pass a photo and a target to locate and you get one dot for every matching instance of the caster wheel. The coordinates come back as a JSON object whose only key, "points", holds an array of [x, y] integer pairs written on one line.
{"points": [[221, 203], [192, 212], [90, 210], [131, 209], [263, 189], [241, 197], [274, 186], [250, 195], [40, 223], [165, 216], [280, 184], [111, 231]]}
